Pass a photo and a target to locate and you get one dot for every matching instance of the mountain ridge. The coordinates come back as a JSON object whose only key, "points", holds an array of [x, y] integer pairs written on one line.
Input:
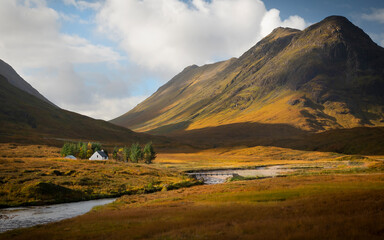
{"points": [[16, 80], [328, 76]]}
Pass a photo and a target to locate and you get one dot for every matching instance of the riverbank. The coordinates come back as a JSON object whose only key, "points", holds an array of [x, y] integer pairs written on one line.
{"points": [[347, 206], [22, 217]]}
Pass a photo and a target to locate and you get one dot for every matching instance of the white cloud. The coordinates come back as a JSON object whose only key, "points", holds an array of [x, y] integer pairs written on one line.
{"points": [[165, 36], [161, 37], [108, 108], [30, 37], [377, 15], [32, 43], [271, 20]]}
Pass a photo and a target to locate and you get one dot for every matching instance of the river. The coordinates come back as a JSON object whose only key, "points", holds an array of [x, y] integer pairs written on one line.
{"points": [[220, 176], [21, 217]]}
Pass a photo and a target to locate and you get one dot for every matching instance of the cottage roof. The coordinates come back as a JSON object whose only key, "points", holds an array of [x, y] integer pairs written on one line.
{"points": [[102, 153]]}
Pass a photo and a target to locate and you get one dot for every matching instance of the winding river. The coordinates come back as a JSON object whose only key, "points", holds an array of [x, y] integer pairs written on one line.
{"points": [[21, 217]]}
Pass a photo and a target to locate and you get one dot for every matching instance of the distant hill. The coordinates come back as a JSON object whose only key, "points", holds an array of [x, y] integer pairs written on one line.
{"points": [[290, 84], [27, 117]]}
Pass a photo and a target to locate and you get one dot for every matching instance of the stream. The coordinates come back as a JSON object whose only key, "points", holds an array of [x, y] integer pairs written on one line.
{"points": [[21, 217], [220, 176]]}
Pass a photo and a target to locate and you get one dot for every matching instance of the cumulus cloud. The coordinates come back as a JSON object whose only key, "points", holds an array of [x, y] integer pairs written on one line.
{"points": [[30, 37], [377, 15], [165, 36], [32, 43], [109, 108], [160, 37]]}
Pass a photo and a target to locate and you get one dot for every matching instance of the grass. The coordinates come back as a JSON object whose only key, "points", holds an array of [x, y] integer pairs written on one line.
{"points": [[28, 180], [296, 207], [329, 195], [247, 157]]}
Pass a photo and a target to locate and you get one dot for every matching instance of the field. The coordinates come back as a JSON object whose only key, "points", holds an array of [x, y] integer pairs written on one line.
{"points": [[250, 157], [295, 207], [29, 177], [326, 196]]}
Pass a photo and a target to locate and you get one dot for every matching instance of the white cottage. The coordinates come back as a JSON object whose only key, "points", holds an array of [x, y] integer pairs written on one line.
{"points": [[99, 155]]}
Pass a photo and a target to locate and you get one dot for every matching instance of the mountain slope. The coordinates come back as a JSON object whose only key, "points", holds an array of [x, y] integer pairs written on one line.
{"points": [[29, 119], [329, 76], [14, 78]]}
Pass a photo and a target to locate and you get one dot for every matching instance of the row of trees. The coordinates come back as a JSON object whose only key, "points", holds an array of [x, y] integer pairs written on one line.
{"points": [[80, 150], [135, 153]]}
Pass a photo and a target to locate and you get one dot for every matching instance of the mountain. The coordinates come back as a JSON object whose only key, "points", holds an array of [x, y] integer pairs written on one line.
{"points": [[291, 83], [14, 78], [28, 117]]}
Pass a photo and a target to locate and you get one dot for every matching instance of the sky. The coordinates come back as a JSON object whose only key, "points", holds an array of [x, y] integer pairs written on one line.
{"points": [[101, 58]]}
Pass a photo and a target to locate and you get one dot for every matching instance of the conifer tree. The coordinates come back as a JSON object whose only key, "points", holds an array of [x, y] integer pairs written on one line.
{"points": [[149, 153], [135, 153]]}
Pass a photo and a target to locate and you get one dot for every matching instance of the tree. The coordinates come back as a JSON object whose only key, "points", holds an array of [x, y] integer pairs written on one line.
{"points": [[83, 151], [149, 153], [96, 147], [89, 153], [135, 153], [66, 150], [126, 154], [114, 153]]}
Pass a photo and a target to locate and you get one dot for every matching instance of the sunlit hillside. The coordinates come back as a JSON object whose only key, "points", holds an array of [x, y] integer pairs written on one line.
{"points": [[329, 76]]}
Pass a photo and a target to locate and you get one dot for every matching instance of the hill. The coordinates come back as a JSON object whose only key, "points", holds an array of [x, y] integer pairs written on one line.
{"points": [[14, 78], [27, 117], [328, 76]]}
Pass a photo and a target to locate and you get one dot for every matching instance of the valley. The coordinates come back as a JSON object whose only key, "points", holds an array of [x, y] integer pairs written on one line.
{"points": [[295, 127]]}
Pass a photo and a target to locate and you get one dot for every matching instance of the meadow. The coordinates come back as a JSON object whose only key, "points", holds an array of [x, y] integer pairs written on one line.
{"points": [[294, 207], [36, 175], [326, 196]]}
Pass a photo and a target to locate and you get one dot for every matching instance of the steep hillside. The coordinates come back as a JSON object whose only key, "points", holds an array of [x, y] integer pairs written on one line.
{"points": [[14, 78], [328, 76], [28, 119]]}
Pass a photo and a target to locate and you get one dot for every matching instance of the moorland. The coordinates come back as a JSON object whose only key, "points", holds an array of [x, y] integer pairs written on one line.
{"points": [[310, 101]]}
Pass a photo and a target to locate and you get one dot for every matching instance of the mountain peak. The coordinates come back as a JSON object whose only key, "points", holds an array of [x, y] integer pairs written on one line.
{"points": [[336, 19], [330, 75], [339, 26]]}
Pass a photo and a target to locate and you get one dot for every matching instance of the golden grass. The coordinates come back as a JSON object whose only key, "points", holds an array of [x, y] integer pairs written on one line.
{"points": [[36, 174], [242, 157], [315, 207]]}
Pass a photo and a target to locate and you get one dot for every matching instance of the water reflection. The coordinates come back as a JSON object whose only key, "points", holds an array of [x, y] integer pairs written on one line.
{"points": [[12, 218]]}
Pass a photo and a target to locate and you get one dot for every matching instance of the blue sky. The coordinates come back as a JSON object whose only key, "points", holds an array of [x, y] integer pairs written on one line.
{"points": [[101, 58]]}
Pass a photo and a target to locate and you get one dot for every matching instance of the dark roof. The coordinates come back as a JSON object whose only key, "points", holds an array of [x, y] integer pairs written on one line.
{"points": [[103, 154]]}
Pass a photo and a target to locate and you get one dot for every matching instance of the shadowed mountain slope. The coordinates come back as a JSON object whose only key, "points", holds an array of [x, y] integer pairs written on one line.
{"points": [[27, 118], [14, 78], [328, 76]]}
